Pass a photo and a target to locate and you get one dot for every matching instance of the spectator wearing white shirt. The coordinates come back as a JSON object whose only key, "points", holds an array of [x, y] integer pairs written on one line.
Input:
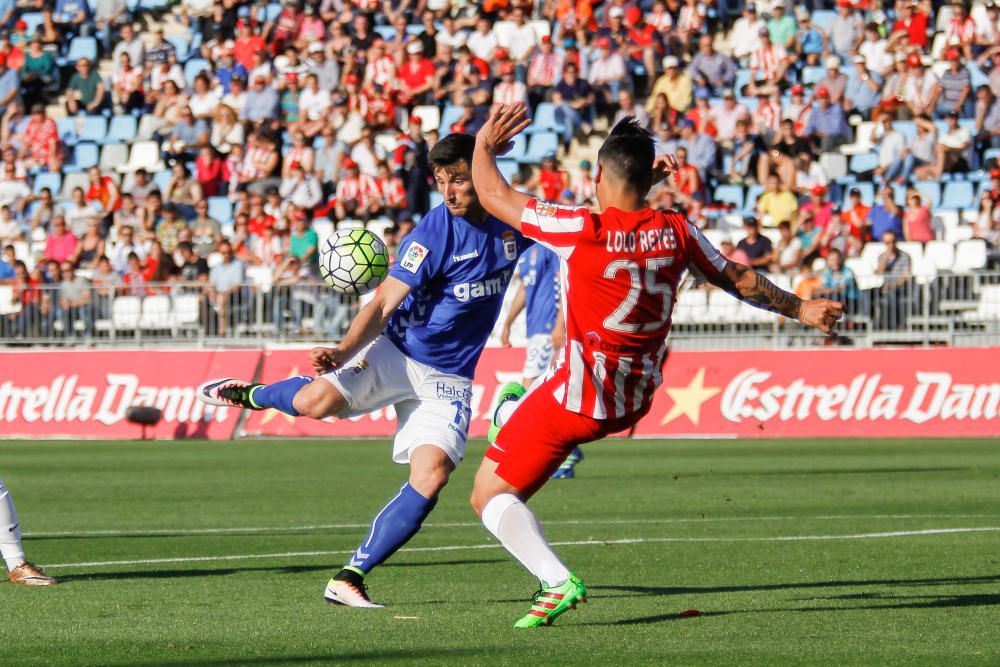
{"points": [[450, 36], [523, 40], [607, 72], [482, 42], [952, 150], [744, 38], [314, 106], [301, 188], [726, 113], [875, 51], [509, 91], [920, 89], [892, 153]]}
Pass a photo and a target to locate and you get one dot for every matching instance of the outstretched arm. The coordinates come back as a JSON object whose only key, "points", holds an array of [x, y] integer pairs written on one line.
{"points": [[494, 139], [747, 285]]}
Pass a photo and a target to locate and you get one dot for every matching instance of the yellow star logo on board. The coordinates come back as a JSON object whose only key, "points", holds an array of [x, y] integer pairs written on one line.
{"points": [[272, 413], [688, 400]]}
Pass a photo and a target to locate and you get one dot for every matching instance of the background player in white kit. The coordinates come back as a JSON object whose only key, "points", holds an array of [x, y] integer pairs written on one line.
{"points": [[538, 294], [19, 570]]}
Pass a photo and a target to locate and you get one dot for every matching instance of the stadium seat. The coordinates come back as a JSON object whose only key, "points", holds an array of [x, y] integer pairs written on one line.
{"points": [[70, 182], [729, 194], [912, 248], [156, 313], [66, 127], [970, 256], [821, 18], [182, 47], [941, 253], [834, 164], [449, 117], [220, 209], [379, 227], [31, 21], [862, 162], [79, 47], [545, 120], [84, 156], [123, 128], [214, 259], [519, 149], [870, 254], [261, 276], [429, 115], [863, 142], [690, 306], [47, 179], [8, 305], [186, 310], [323, 229], [987, 307], [957, 196], [125, 312], [924, 270], [194, 67], [112, 155], [93, 128], [509, 168], [539, 145], [930, 191], [811, 75], [750, 201], [162, 180], [144, 155]]}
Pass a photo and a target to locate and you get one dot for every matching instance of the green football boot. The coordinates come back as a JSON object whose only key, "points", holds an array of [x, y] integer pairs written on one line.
{"points": [[512, 391], [550, 603]]}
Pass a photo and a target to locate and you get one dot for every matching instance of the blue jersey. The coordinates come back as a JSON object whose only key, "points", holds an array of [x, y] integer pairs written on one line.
{"points": [[459, 272], [538, 269]]}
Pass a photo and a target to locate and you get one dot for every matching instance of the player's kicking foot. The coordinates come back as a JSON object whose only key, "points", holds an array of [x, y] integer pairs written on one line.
{"points": [[228, 392], [512, 391], [568, 469], [548, 604], [348, 595], [29, 575]]}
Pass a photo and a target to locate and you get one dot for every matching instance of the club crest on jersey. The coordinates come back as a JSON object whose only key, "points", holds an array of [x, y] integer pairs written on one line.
{"points": [[545, 209], [509, 245], [414, 257]]}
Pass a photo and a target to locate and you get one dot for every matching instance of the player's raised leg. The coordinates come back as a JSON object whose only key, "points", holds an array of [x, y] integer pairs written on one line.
{"points": [[393, 526], [20, 571]]}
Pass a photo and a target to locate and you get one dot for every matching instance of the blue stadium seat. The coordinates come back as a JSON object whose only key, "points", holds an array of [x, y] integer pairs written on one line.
{"points": [[47, 179], [385, 31], [545, 120], [122, 129], [509, 168], [907, 128], [195, 66], [220, 209], [182, 46], [811, 75], [958, 196], [863, 162], [162, 180], [742, 79], [750, 201], [931, 192], [67, 130], [85, 156], [32, 20], [518, 151], [899, 194], [821, 18], [539, 145], [449, 117], [729, 194], [79, 47], [271, 12], [93, 128]]}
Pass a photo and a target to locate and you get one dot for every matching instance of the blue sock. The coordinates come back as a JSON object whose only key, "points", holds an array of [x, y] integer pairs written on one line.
{"points": [[392, 528], [280, 394]]}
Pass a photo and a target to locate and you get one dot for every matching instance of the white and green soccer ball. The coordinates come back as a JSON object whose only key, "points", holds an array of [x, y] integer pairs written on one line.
{"points": [[353, 261]]}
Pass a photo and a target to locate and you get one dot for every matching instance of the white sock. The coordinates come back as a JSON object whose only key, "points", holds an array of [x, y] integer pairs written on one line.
{"points": [[505, 410], [10, 531], [519, 532]]}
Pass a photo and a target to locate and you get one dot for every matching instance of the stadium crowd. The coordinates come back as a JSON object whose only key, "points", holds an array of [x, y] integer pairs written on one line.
{"points": [[131, 158]]}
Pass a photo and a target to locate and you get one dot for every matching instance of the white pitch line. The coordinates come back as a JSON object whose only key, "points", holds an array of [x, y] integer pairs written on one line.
{"points": [[569, 543], [185, 532]]}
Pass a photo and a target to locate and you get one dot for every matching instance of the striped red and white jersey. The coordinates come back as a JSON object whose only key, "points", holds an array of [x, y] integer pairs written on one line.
{"points": [[766, 61], [363, 189], [620, 275]]}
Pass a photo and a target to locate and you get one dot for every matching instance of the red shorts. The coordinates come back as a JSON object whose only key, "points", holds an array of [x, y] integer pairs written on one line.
{"points": [[540, 435]]}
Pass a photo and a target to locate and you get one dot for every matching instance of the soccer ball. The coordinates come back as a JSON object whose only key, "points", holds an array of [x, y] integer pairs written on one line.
{"points": [[353, 261]]}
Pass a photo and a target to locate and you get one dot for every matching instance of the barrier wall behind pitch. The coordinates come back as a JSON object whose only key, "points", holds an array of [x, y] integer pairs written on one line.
{"points": [[944, 392]]}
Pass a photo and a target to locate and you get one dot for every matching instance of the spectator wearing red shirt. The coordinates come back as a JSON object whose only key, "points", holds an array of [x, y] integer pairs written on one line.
{"points": [[104, 191], [818, 208], [208, 171], [416, 75], [285, 29], [644, 43], [551, 179], [12, 54], [856, 214], [60, 244], [41, 146], [910, 28], [247, 44], [357, 194], [258, 220]]}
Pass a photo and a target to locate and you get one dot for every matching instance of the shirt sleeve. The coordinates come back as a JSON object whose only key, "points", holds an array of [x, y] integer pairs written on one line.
{"points": [[701, 254], [421, 256], [556, 227]]}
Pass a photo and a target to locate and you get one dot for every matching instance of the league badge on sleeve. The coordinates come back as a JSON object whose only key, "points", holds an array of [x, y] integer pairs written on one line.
{"points": [[510, 245], [414, 257]]}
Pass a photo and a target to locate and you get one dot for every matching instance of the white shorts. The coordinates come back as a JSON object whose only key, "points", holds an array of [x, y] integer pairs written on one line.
{"points": [[432, 408], [539, 355]]}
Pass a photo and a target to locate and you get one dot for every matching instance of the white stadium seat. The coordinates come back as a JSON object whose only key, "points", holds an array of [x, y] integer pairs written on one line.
{"points": [[126, 311], [941, 253], [988, 307], [969, 256], [156, 313]]}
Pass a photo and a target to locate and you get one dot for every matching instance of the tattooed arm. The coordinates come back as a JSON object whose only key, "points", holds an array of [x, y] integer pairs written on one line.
{"points": [[747, 285]]}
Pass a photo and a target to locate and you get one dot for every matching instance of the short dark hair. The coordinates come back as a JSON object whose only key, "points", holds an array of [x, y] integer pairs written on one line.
{"points": [[451, 150], [628, 154], [185, 245]]}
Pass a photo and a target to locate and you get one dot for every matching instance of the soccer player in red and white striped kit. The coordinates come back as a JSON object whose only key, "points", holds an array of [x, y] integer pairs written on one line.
{"points": [[621, 270]]}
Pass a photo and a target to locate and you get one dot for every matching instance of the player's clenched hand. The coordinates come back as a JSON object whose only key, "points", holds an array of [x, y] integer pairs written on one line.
{"points": [[664, 166], [324, 359], [505, 337], [822, 314], [506, 122]]}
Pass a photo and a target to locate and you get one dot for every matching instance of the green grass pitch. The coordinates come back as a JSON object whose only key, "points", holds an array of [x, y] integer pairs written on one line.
{"points": [[797, 552]]}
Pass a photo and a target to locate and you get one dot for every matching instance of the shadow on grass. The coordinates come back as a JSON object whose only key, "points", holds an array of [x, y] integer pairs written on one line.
{"points": [[402, 656], [822, 471], [226, 571]]}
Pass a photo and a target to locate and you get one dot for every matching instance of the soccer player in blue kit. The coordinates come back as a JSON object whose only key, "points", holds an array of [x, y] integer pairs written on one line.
{"points": [[415, 346], [538, 294]]}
